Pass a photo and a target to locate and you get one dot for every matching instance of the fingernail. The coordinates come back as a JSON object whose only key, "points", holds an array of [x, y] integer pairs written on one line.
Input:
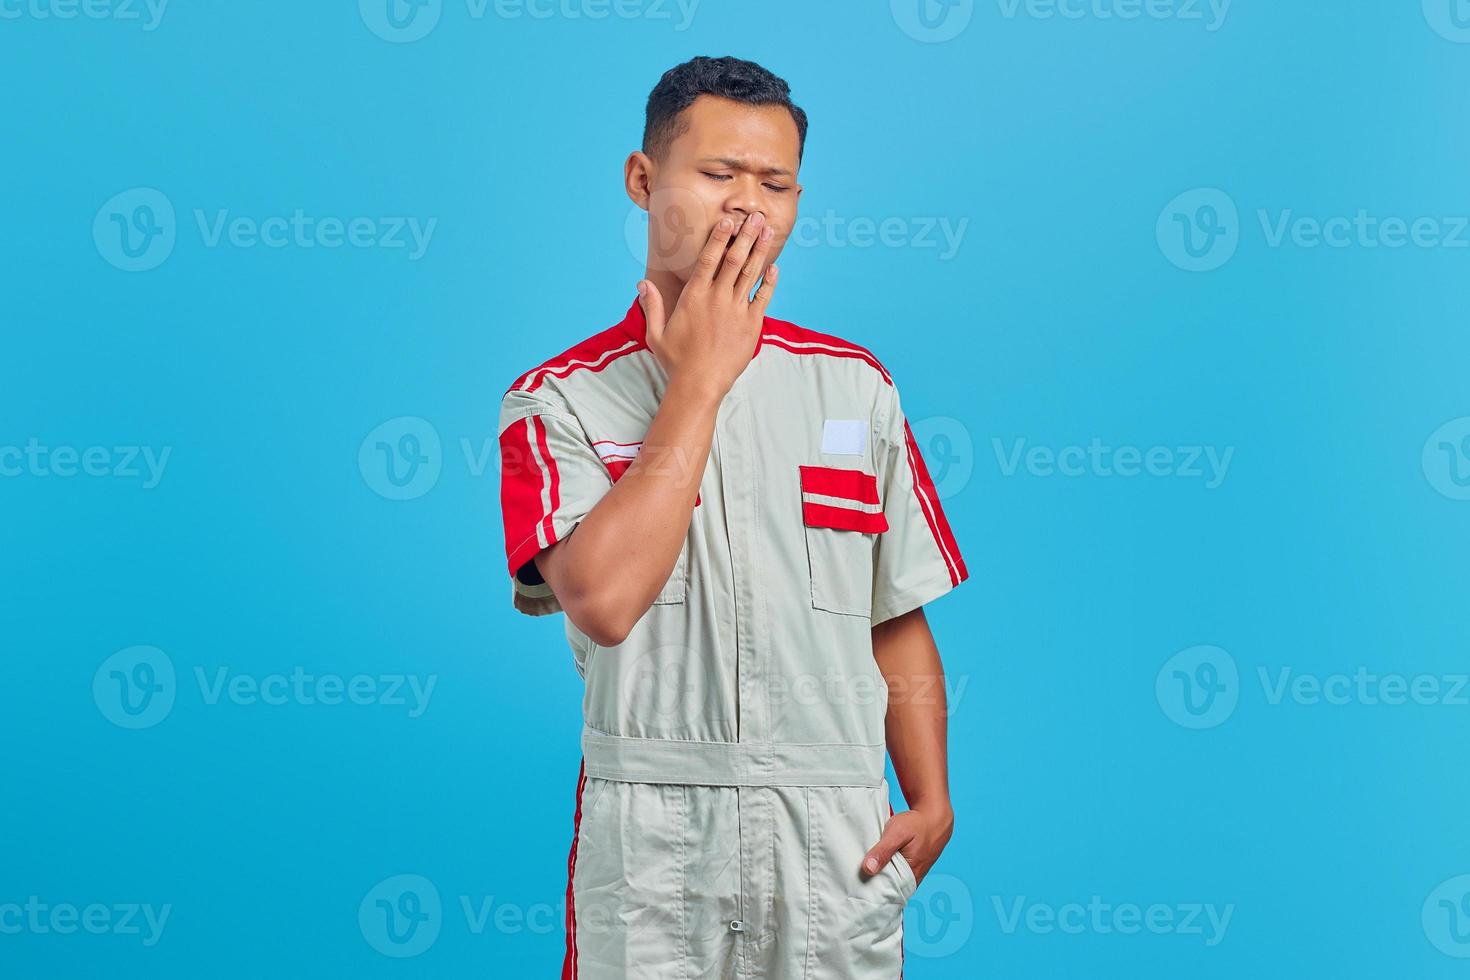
{"points": [[871, 865], [642, 287], [757, 219], [766, 233], [725, 224]]}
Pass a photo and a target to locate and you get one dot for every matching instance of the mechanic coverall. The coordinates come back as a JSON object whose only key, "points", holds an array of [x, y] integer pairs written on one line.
{"points": [[733, 744]]}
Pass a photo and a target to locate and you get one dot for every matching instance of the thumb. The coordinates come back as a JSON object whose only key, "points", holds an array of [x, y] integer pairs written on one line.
{"points": [[881, 853], [652, 302]]}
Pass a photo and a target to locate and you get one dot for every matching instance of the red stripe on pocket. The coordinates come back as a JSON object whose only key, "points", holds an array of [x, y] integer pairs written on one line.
{"points": [[832, 482], [822, 515]]}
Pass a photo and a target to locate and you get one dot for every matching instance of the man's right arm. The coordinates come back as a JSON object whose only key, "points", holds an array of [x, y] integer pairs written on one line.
{"points": [[607, 573]]}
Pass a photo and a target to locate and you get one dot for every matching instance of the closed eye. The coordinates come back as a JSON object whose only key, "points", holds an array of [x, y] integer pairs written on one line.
{"points": [[773, 188]]}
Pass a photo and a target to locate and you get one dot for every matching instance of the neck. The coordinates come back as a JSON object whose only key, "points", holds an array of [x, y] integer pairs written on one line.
{"points": [[669, 286]]}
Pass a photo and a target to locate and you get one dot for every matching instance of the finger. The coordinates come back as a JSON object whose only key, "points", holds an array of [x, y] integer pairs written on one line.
{"points": [[652, 302], [756, 263], [739, 250], [893, 838], [768, 287], [708, 262]]}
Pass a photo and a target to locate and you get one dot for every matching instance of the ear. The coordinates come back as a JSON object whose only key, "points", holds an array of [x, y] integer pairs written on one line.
{"points": [[638, 173]]}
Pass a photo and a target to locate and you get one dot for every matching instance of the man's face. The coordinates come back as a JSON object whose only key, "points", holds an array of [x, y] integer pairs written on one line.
{"points": [[733, 160]]}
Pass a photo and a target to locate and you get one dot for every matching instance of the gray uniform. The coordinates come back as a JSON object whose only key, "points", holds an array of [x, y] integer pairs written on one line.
{"points": [[733, 744]]}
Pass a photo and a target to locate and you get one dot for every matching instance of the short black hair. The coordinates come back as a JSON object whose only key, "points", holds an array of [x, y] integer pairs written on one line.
{"points": [[728, 78]]}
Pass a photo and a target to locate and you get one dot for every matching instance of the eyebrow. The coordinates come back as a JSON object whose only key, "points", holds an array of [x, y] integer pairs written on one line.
{"points": [[742, 165]]}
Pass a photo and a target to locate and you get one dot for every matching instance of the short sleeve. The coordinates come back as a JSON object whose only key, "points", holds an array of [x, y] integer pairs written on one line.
{"points": [[917, 559], [550, 478]]}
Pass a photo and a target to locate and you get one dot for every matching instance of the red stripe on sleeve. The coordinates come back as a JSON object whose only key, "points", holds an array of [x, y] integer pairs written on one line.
{"points": [[520, 493], [933, 513], [555, 477]]}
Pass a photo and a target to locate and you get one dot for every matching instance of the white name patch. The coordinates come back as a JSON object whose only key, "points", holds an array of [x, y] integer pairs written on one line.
{"points": [[844, 437]]}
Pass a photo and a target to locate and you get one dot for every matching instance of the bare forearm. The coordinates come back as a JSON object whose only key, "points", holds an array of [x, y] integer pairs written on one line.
{"points": [[609, 571], [917, 722]]}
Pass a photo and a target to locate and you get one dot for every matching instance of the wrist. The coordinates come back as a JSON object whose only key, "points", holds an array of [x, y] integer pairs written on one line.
{"points": [[936, 808], [695, 391]]}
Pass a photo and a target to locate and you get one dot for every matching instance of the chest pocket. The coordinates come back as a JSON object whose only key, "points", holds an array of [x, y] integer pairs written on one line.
{"points": [[842, 517], [617, 457]]}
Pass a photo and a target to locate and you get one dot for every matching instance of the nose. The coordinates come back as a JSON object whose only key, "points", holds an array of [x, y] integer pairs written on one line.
{"points": [[744, 199]]}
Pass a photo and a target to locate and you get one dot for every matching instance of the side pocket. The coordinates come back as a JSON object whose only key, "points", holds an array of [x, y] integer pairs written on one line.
{"points": [[908, 882], [592, 794]]}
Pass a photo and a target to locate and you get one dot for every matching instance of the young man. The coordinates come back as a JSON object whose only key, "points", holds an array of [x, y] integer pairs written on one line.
{"points": [[755, 535]]}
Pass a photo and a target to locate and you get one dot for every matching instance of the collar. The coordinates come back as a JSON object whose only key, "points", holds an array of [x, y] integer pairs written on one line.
{"points": [[635, 326]]}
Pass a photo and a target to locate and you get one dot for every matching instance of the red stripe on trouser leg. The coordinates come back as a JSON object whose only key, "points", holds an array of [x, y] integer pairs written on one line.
{"points": [[569, 963], [833, 482]]}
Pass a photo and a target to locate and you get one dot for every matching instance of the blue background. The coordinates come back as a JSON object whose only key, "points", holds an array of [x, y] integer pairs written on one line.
{"points": [[1335, 541]]}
